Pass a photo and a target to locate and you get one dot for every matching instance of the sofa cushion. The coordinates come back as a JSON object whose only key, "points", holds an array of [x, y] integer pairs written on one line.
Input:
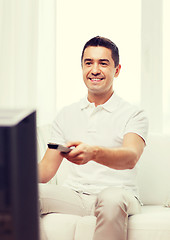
{"points": [[85, 228], [60, 226], [153, 172], [153, 223]]}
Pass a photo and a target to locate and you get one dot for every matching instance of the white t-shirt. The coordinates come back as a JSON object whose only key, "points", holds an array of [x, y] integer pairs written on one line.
{"points": [[104, 125]]}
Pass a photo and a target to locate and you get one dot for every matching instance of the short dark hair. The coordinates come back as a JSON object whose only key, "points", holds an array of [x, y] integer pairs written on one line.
{"points": [[103, 42]]}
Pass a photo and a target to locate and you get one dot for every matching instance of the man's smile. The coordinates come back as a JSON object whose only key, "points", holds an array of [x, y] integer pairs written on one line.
{"points": [[96, 79]]}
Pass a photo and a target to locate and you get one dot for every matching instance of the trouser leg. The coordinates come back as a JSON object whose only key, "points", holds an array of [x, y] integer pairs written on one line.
{"points": [[59, 199], [112, 209]]}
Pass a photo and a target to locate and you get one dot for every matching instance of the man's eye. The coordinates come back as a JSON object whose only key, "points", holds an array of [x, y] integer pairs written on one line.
{"points": [[103, 63], [88, 63]]}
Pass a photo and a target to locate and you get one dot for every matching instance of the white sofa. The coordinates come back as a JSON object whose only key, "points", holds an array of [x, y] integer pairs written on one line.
{"points": [[153, 223]]}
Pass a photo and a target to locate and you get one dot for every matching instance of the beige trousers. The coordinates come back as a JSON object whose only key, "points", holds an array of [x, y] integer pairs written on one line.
{"points": [[111, 207]]}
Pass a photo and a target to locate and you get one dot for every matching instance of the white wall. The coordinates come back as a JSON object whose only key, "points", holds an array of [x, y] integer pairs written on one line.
{"points": [[27, 56], [18, 53], [152, 68], [166, 73], [41, 43], [77, 22]]}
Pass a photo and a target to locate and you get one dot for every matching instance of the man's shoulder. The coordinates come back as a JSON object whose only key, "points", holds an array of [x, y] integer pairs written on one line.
{"points": [[123, 104], [71, 108], [129, 110]]}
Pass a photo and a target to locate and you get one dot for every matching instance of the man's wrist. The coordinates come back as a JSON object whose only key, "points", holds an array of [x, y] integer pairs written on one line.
{"points": [[96, 153]]}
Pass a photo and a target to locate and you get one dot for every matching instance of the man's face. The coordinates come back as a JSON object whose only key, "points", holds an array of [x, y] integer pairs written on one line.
{"points": [[99, 70]]}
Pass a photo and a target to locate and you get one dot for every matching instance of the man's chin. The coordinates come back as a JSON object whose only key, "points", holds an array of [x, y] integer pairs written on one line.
{"points": [[96, 91]]}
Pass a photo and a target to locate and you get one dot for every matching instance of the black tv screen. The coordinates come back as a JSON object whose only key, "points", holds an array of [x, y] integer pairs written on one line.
{"points": [[18, 176]]}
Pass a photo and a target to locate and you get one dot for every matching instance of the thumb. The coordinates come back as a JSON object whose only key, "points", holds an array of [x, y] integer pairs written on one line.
{"points": [[73, 144]]}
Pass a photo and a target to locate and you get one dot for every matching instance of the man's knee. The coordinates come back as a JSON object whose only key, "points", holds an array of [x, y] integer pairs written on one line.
{"points": [[111, 201], [46, 190], [49, 194]]}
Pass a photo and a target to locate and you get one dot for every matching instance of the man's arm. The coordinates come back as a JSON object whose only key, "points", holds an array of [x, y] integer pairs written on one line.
{"points": [[121, 158], [49, 165]]}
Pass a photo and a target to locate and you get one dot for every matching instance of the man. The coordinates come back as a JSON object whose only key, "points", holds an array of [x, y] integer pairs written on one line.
{"points": [[109, 136]]}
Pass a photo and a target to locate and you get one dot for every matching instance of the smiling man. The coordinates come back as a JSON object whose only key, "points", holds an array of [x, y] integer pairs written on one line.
{"points": [[99, 71], [108, 135]]}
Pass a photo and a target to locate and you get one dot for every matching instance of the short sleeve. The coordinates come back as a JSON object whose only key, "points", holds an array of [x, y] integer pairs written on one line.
{"points": [[138, 123], [57, 135]]}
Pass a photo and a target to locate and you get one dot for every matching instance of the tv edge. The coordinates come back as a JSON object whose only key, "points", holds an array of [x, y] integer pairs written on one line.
{"points": [[18, 176]]}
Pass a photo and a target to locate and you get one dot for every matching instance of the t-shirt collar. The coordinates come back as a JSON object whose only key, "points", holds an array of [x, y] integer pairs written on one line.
{"points": [[109, 106]]}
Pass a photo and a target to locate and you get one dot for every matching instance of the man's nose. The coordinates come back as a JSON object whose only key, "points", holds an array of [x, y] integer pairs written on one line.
{"points": [[95, 69]]}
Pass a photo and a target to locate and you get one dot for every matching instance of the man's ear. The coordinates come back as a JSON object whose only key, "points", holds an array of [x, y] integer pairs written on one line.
{"points": [[117, 70]]}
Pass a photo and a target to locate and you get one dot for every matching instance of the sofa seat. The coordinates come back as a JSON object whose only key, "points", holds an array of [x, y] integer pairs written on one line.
{"points": [[153, 223], [68, 227]]}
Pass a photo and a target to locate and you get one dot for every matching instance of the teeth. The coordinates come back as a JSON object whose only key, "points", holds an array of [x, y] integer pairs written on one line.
{"points": [[96, 79]]}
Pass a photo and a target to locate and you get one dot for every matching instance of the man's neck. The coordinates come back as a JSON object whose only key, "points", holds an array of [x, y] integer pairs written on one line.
{"points": [[99, 99]]}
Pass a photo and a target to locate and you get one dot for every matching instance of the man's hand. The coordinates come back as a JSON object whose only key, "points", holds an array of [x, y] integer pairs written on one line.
{"points": [[81, 154]]}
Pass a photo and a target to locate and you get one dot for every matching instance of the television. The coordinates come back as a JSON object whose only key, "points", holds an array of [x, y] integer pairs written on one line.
{"points": [[18, 176]]}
